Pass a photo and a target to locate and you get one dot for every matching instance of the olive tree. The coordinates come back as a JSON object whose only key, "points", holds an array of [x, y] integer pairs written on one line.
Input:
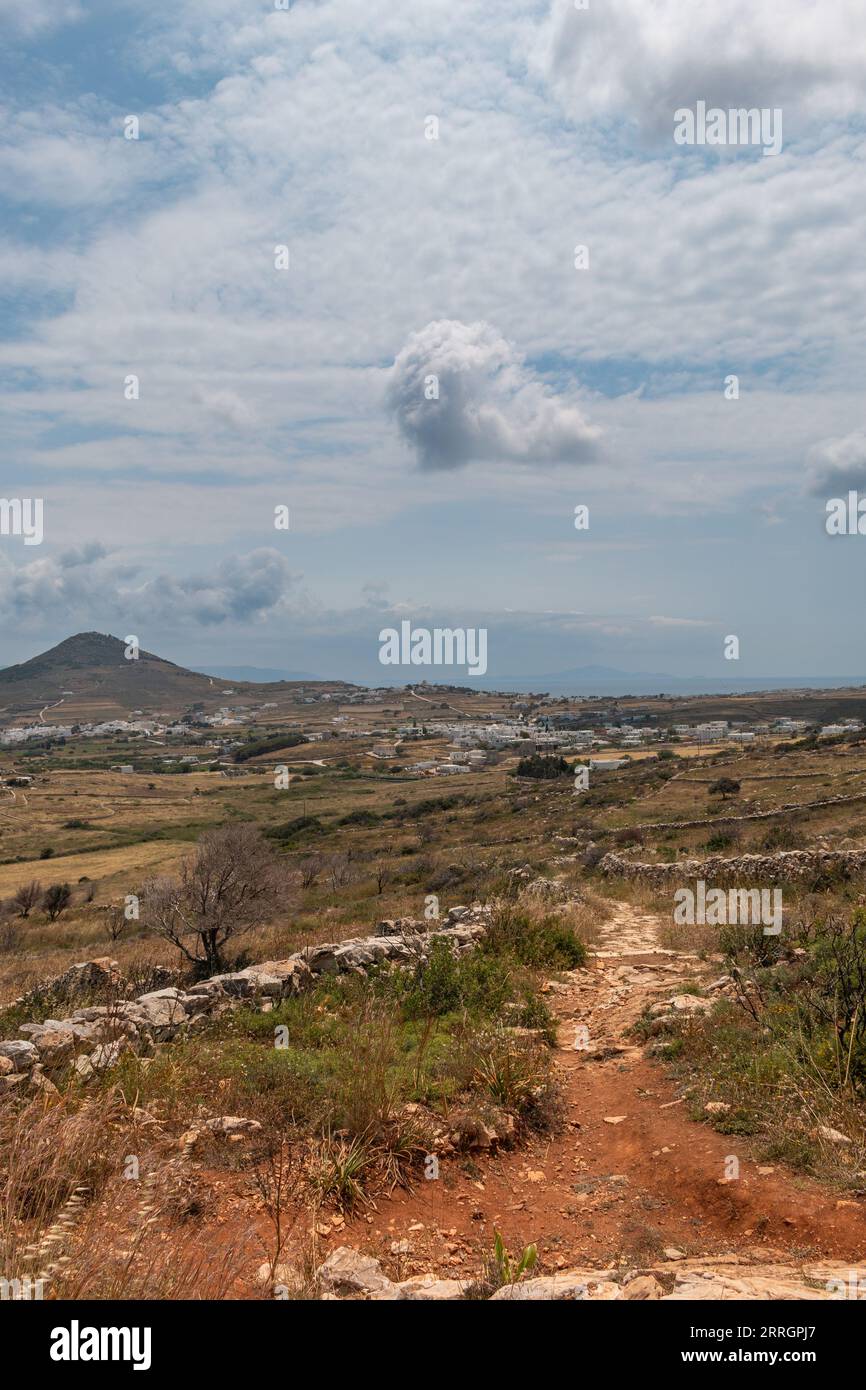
{"points": [[231, 884]]}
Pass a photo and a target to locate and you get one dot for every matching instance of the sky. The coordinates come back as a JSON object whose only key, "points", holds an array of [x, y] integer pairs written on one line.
{"points": [[332, 205]]}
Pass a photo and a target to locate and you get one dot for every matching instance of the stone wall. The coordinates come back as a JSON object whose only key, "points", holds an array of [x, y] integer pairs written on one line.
{"points": [[706, 822], [93, 1039], [790, 866]]}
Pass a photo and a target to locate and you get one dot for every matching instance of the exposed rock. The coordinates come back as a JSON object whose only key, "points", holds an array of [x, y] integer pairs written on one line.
{"points": [[14, 1083], [470, 1130], [348, 1271], [643, 1287], [833, 1136], [690, 1004], [232, 1124], [164, 1010], [427, 1288], [108, 1054], [574, 1284]]}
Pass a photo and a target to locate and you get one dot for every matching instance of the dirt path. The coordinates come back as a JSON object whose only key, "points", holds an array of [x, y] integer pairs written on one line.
{"points": [[632, 1180]]}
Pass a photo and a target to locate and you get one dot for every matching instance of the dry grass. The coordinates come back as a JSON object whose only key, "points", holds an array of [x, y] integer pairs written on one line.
{"points": [[55, 1155], [125, 866]]}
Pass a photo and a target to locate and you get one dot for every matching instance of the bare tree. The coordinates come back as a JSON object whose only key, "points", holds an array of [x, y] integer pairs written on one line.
{"points": [[230, 885], [383, 876], [310, 870], [28, 896], [338, 870], [115, 922]]}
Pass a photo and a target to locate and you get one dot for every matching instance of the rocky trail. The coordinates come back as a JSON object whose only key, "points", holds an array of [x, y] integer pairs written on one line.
{"points": [[632, 1199]]}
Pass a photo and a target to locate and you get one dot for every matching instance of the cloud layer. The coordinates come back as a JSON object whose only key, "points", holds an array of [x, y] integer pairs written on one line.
{"points": [[80, 584]]}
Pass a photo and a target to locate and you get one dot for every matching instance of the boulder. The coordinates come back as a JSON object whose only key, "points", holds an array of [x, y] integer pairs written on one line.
{"points": [[293, 974], [108, 1054], [21, 1054], [56, 1046], [348, 1271], [232, 1124], [163, 1010], [690, 1004]]}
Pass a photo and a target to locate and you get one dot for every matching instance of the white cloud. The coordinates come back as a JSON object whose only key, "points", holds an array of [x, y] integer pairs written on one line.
{"points": [[646, 58], [460, 393], [837, 464], [307, 127]]}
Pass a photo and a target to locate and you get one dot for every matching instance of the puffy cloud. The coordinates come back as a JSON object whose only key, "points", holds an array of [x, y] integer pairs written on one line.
{"points": [[460, 393], [835, 465], [645, 58], [87, 583], [240, 589]]}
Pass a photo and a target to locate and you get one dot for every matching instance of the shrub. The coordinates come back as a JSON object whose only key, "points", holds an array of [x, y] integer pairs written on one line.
{"points": [[309, 825], [516, 1073], [720, 841], [546, 768], [724, 787], [267, 745], [534, 940], [783, 837], [56, 900], [446, 982], [360, 817], [629, 835]]}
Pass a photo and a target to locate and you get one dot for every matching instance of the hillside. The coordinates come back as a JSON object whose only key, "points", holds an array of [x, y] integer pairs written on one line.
{"points": [[88, 676]]}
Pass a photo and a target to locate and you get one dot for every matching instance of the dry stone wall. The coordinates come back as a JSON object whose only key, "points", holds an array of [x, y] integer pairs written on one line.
{"points": [[93, 1039], [789, 866], [706, 822]]}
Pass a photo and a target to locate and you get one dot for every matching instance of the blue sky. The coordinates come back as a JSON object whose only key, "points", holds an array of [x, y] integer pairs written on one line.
{"points": [[409, 256]]}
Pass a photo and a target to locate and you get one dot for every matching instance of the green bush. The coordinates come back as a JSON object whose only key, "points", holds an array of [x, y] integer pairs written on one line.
{"points": [[545, 768], [538, 942], [360, 817]]}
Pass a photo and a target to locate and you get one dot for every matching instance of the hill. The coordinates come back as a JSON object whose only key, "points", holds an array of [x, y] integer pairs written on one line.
{"points": [[88, 676]]}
